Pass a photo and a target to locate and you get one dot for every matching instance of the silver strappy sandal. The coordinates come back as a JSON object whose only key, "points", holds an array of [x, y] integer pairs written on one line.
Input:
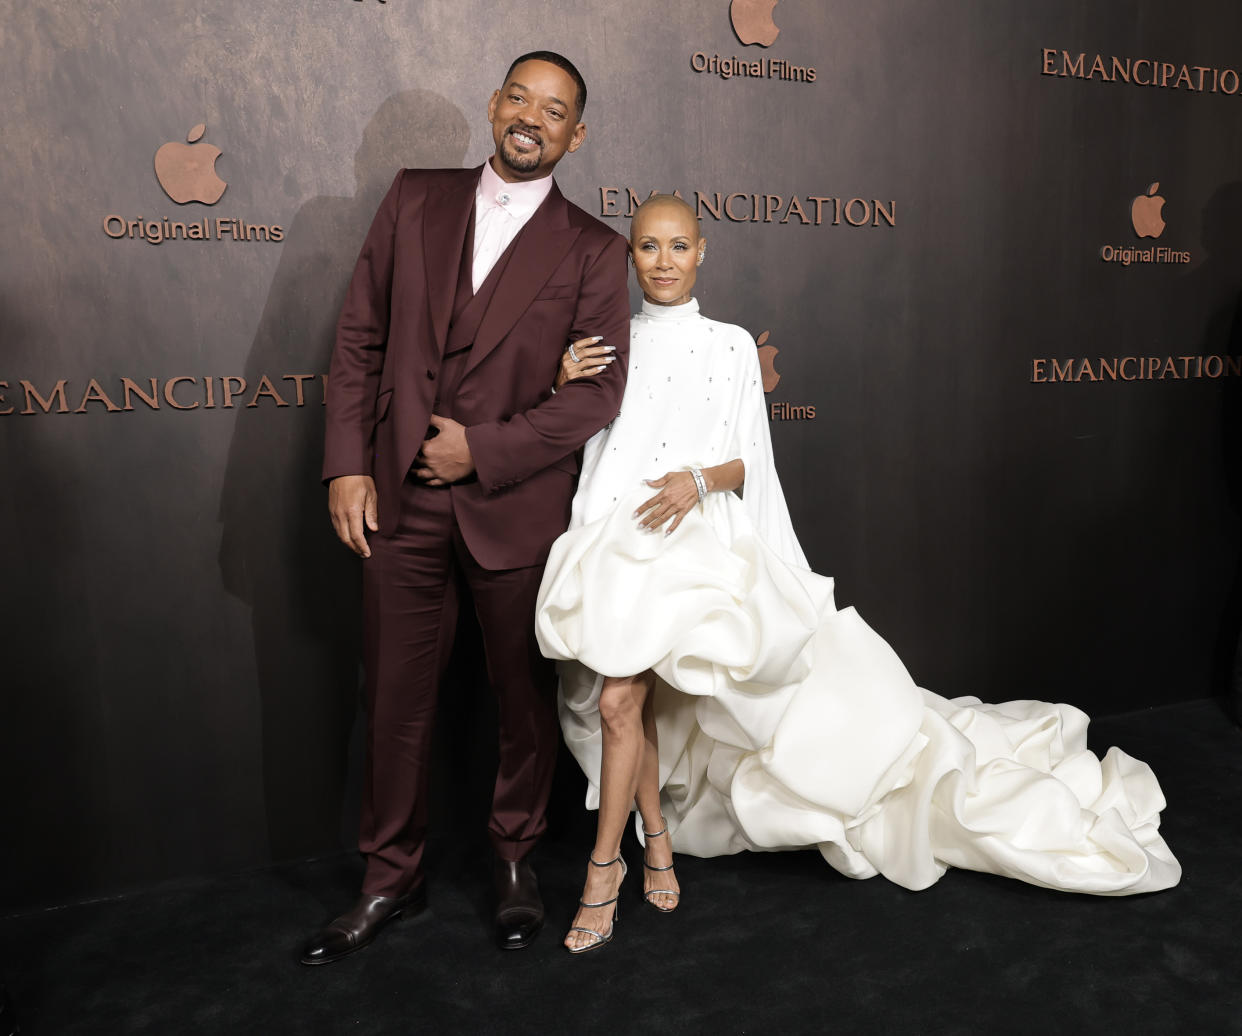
{"points": [[601, 938], [646, 866]]}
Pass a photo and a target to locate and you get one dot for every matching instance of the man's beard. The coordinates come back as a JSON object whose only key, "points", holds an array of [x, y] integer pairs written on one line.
{"points": [[520, 163]]}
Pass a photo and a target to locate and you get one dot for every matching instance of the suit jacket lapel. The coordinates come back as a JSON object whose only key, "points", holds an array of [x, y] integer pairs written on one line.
{"points": [[537, 251], [444, 236]]}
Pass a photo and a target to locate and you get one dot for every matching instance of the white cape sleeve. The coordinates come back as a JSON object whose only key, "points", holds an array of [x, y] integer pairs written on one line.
{"points": [[762, 494]]}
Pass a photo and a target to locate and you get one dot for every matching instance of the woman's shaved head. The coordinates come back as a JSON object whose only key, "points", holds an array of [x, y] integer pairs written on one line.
{"points": [[668, 205]]}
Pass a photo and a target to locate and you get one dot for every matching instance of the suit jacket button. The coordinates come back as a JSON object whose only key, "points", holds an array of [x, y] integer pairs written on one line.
{"points": [[431, 375]]}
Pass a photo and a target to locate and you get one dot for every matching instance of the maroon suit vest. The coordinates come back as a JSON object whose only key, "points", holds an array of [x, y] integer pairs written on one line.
{"points": [[469, 308]]}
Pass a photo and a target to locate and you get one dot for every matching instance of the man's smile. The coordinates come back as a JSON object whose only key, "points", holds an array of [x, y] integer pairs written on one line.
{"points": [[523, 140]]}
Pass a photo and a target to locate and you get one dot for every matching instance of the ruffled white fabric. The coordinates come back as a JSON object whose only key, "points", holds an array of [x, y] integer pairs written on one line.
{"points": [[783, 722]]}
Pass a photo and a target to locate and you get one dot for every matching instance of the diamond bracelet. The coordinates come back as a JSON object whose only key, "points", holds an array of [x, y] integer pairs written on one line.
{"points": [[699, 482]]}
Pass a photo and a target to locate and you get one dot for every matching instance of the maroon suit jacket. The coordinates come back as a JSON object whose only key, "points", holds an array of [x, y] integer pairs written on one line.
{"points": [[566, 279]]}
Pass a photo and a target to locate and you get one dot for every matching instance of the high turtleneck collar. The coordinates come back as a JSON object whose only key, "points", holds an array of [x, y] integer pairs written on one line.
{"points": [[679, 312]]}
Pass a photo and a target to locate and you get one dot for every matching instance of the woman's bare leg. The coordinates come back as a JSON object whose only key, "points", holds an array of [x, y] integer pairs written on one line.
{"points": [[659, 852], [621, 714]]}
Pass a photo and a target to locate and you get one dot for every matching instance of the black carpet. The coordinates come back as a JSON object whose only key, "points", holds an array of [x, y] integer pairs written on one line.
{"points": [[763, 943]]}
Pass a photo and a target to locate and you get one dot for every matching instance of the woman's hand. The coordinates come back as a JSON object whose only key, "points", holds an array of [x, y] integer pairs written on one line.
{"points": [[677, 497], [591, 359]]}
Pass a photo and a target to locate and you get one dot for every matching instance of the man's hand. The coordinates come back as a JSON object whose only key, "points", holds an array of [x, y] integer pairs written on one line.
{"points": [[445, 456], [354, 508]]}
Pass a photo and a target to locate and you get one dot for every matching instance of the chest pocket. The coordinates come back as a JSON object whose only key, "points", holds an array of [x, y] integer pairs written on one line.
{"points": [[557, 291]]}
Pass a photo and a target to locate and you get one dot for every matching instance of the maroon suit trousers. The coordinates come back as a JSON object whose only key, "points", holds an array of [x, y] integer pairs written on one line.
{"points": [[410, 613]]}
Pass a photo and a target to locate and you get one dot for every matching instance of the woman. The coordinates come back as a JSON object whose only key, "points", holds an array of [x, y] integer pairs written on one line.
{"points": [[707, 676]]}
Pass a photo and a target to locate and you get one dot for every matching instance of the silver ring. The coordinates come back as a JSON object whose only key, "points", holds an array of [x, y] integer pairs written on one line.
{"points": [[573, 355]]}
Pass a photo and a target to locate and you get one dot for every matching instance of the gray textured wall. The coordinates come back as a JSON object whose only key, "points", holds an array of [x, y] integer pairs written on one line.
{"points": [[179, 628]]}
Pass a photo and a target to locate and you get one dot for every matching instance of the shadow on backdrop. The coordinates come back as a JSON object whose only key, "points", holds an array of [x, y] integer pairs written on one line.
{"points": [[278, 553]]}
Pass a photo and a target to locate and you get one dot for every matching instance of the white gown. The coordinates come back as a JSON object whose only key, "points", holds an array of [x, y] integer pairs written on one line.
{"points": [[783, 722]]}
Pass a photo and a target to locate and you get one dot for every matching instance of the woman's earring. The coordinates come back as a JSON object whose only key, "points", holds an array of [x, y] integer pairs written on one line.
{"points": [[702, 252]]}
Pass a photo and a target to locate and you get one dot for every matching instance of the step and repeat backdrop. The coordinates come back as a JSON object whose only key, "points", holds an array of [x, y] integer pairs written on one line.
{"points": [[992, 260]]}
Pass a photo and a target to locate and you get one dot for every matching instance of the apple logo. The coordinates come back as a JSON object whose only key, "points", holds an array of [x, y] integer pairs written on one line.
{"points": [[1145, 213], [187, 172], [752, 21], [767, 362]]}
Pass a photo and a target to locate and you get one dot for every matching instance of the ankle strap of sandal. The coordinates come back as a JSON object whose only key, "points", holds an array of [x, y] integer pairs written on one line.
{"points": [[594, 863], [656, 834]]}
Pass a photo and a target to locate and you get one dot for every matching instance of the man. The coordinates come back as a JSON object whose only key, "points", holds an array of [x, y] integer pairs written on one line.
{"points": [[447, 452]]}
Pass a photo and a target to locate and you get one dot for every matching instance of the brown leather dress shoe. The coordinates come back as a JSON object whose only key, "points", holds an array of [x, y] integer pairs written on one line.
{"points": [[359, 925], [519, 909]]}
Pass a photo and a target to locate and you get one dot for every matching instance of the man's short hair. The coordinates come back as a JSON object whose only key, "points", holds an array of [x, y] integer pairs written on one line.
{"points": [[561, 62]]}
